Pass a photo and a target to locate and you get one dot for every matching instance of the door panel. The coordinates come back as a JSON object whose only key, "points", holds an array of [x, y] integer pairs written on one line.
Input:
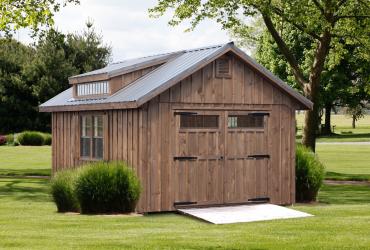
{"points": [[223, 164], [245, 168], [198, 164]]}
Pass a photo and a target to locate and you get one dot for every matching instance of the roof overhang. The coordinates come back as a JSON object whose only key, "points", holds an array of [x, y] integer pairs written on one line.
{"points": [[89, 107]]}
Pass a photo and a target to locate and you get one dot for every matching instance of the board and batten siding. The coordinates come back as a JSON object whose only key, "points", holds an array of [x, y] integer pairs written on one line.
{"points": [[145, 137]]}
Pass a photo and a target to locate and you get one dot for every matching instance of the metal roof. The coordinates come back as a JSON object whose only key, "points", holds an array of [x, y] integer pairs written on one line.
{"points": [[129, 64], [162, 75], [179, 65]]}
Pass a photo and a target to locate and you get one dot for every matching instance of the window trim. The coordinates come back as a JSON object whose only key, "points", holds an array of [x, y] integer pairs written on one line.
{"points": [[88, 90], [91, 136], [187, 129]]}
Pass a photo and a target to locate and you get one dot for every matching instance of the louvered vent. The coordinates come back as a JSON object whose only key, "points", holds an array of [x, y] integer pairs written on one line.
{"points": [[223, 67]]}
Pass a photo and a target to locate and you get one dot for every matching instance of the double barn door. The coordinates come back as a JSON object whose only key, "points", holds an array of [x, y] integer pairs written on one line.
{"points": [[220, 156]]}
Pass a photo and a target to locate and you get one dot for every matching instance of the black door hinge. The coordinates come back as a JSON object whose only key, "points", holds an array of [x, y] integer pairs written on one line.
{"points": [[182, 158]]}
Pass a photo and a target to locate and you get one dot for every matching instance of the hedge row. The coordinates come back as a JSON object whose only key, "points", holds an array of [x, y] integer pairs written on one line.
{"points": [[96, 188], [26, 138]]}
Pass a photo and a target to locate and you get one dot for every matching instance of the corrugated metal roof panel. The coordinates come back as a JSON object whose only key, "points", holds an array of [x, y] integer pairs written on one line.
{"points": [[130, 63], [163, 74], [66, 99]]}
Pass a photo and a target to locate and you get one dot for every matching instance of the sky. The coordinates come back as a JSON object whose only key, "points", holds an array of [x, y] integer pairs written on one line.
{"points": [[126, 26]]}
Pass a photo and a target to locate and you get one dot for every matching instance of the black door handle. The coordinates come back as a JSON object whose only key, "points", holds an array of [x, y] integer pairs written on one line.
{"points": [[221, 157]]}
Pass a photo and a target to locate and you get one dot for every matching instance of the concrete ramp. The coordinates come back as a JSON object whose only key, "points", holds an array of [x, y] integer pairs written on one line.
{"points": [[243, 213]]}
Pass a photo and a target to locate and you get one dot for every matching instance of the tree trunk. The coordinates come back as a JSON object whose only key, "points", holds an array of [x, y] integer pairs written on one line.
{"points": [[311, 91], [311, 88], [311, 122], [327, 126], [353, 121]]}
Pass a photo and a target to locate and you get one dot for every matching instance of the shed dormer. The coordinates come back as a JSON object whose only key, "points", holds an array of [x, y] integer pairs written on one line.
{"points": [[108, 80]]}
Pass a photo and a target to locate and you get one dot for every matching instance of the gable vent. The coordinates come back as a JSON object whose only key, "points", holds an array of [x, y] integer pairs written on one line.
{"points": [[223, 67]]}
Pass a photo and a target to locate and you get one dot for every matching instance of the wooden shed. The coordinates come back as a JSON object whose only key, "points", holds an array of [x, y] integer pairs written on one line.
{"points": [[202, 127]]}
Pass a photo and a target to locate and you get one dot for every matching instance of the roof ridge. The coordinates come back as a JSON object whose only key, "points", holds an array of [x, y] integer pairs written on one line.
{"points": [[175, 52], [210, 47], [142, 57]]}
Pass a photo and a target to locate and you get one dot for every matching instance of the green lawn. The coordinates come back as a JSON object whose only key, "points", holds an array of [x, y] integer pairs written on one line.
{"points": [[345, 162], [25, 160], [28, 218], [28, 221]]}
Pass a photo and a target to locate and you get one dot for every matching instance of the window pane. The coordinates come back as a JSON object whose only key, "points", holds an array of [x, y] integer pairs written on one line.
{"points": [[245, 121], [86, 126], [232, 122], [98, 126], [85, 147], [199, 121], [98, 148]]}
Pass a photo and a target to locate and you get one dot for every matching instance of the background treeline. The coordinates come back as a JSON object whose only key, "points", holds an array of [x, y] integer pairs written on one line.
{"points": [[32, 74]]}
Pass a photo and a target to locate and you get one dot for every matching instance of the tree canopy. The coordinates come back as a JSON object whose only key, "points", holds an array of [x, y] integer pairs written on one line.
{"points": [[16, 14], [342, 81], [329, 24]]}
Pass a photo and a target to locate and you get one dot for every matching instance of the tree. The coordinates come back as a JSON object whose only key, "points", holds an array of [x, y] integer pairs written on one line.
{"points": [[16, 14], [60, 56], [328, 23], [30, 76], [17, 103], [356, 112], [337, 79]]}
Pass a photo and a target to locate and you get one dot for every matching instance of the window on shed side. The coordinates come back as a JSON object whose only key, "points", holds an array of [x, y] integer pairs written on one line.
{"points": [[223, 67], [91, 145]]}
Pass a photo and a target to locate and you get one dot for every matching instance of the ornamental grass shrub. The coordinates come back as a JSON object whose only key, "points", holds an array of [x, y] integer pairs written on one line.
{"points": [[63, 190], [104, 187], [30, 138], [309, 174]]}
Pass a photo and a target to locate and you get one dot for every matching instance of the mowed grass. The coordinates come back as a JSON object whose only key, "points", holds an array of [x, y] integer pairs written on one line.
{"points": [[25, 160], [343, 129], [345, 162], [28, 220]]}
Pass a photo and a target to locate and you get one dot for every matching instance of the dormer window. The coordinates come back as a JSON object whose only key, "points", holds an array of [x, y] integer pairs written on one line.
{"points": [[223, 67], [93, 89]]}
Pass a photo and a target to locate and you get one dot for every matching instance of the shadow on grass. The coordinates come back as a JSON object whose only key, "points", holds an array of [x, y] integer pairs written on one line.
{"points": [[25, 189], [346, 177], [345, 194], [25, 172], [349, 136]]}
